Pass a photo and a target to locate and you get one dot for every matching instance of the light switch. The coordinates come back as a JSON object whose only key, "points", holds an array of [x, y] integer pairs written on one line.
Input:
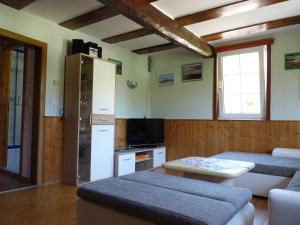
{"points": [[56, 83]]}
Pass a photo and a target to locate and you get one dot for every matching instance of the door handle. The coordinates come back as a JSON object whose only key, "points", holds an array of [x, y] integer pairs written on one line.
{"points": [[128, 159], [102, 130]]}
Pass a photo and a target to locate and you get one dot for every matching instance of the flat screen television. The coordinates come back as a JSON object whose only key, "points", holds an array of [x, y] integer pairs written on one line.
{"points": [[145, 132]]}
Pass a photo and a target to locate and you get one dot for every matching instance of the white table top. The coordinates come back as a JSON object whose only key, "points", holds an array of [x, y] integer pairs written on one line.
{"points": [[210, 166]]}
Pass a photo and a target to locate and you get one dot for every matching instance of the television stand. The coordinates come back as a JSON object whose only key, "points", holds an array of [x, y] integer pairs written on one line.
{"points": [[132, 160]]}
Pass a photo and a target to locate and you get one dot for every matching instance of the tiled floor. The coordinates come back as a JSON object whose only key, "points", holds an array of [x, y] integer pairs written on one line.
{"points": [[13, 160]]}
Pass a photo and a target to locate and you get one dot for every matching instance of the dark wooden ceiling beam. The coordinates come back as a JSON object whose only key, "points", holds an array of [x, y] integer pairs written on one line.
{"points": [[17, 4], [222, 11], [128, 36], [156, 48], [90, 18], [253, 29], [151, 18]]}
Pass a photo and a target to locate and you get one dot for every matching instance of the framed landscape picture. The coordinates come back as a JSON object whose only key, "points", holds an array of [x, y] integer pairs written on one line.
{"points": [[191, 72], [166, 79], [118, 66], [292, 61]]}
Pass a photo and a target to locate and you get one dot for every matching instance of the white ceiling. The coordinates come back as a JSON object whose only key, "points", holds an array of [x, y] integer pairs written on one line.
{"points": [[143, 42], [260, 15], [61, 10], [177, 8], [254, 36], [110, 27]]}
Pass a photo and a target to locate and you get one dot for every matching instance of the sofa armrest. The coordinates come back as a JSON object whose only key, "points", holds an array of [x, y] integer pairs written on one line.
{"points": [[284, 207], [286, 152]]}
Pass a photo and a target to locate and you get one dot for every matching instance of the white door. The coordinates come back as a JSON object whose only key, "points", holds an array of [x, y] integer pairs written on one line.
{"points": [[159, 157], [102, 152], [103, 87], [126, 164]]}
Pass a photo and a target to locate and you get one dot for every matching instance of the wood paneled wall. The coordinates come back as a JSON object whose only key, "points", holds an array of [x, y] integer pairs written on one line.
{"points": [[185, 138], [204, 138], [208, 137], [52, 150]]}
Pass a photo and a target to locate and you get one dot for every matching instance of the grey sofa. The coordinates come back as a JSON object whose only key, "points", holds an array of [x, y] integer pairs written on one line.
{"points": [[154, 198]]}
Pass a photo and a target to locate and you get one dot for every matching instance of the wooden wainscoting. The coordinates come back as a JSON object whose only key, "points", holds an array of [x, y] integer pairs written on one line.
{"points": [[185, 138], [52, 150], [204, 138]]}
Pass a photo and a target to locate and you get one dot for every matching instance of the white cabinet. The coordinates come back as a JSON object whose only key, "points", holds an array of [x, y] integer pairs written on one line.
{"points": [[102, 152], [159, 157], [125, 164], [103, 88], [128, 161]]}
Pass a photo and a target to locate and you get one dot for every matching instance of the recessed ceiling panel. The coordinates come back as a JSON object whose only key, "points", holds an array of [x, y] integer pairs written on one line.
{"points": [[110, 27], [261, 15], [143, 42], [61, 10], [177, 8]]}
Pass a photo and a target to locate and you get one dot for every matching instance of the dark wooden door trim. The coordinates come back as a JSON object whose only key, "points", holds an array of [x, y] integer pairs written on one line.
{"points": [[4, 106], [42, 49]]}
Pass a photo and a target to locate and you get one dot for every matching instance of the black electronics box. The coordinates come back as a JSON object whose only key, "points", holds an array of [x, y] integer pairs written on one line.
{"points": [[89, 48]]}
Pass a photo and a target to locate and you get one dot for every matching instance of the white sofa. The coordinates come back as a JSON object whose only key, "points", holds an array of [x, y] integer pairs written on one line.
{"points": [[276, 179], [284, 207], [284, 204]]}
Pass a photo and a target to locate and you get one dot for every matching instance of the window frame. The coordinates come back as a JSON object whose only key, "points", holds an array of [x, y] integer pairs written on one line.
{"points": [[218, 50], [262, 80]]}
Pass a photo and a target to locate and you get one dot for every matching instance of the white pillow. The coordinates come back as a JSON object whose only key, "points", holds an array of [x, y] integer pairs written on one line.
{"points": [[286, 152]]}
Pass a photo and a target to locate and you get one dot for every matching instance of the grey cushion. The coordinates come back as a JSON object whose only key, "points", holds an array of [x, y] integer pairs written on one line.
{"points": [[194, 187], [161, 205], [264, 163], [294, 184]]}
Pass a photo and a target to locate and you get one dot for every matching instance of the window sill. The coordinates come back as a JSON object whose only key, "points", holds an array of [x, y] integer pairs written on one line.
{"points": [[242, 119]]}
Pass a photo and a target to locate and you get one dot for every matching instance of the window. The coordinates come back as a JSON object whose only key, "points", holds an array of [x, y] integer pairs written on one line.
{"points": [[242, 83]]}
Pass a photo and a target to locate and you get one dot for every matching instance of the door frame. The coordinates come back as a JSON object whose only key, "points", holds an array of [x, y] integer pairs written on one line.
{"points": [[42, 71]]}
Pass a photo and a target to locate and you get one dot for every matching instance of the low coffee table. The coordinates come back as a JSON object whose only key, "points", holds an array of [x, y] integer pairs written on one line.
{"points": [[210, 169]]}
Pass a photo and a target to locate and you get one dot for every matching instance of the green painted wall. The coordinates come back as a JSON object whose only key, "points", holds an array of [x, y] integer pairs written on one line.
{"points": [[285, 97], [129, 103], [193, 100], [186, 99]]}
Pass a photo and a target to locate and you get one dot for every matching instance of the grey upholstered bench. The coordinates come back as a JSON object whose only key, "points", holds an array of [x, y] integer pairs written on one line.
{"points": [[294, 184], [153, 198], [265, 164]]}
